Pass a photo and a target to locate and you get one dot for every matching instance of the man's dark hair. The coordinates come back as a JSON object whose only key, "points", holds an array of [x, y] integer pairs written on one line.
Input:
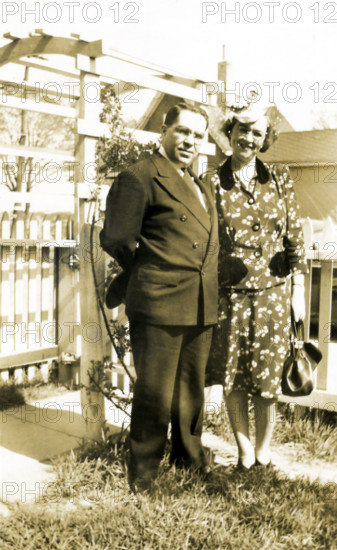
{"points": [[173, 113]]}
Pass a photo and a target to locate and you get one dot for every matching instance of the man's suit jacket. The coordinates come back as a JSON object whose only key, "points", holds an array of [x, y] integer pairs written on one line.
{"points": [[166, 242]]}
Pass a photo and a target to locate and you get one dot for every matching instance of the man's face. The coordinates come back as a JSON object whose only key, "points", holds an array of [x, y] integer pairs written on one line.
{"points": [[183, 139]]}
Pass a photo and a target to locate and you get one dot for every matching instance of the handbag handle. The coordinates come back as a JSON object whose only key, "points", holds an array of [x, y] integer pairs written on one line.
{"points": [[297, 328]]}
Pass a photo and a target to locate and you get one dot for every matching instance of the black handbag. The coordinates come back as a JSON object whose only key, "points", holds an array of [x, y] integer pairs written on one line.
{"points": [[297, 375]]}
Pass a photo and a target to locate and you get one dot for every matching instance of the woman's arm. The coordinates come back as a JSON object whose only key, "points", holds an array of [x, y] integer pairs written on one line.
{"points": [[297, 296]]}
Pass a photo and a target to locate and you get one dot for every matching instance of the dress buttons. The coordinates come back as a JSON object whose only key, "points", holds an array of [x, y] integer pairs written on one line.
{"points": [[251, 200], [183, 218], [258, 253], [195, 245], [256, 226]]}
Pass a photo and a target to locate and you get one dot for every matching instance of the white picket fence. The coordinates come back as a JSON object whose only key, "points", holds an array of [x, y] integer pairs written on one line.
{"points": [[29, 248]]}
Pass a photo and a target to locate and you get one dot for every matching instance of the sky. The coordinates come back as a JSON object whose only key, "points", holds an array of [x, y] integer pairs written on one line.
{"points": [[286, 49]]}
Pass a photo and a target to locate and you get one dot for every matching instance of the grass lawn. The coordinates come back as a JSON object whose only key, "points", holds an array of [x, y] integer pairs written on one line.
{"points": [[90, 506], [15, 395], [313, 434]]}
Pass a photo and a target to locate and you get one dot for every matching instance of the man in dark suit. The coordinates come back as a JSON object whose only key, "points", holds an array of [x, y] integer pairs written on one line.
{"points": [[161, 226]]}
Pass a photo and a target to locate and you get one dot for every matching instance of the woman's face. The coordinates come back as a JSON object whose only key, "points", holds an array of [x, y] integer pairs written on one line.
{"points": [[247, 139]]}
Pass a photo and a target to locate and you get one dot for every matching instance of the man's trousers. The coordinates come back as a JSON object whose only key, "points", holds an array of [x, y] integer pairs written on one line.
{"points": [[170, 364]]}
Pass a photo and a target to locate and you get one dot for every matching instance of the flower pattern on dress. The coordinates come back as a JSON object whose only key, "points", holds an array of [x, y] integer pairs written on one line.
{"points": [[250, 343]]}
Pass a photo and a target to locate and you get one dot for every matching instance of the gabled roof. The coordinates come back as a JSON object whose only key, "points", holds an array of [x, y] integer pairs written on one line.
{"points": [[303, 147], [317, 195], [316, 200]]}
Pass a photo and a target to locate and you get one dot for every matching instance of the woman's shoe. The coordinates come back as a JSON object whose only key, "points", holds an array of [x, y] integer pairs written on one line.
{"points": [[241, 468], [267, 467]]}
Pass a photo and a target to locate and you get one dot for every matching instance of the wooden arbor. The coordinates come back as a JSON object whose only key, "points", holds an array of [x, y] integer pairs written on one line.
{"points": [[93, 65]]}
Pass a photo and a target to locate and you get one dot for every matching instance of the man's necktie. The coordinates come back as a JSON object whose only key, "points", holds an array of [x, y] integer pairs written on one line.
{"points": [[195, 188]]}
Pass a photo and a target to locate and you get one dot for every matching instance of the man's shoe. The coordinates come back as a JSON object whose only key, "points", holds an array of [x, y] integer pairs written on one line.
{"points": [[142, 485], [205, 472], [138, 482]]}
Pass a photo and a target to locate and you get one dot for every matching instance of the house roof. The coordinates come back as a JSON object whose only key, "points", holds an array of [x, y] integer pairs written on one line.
{"points": [[316, 201], [317, 195], [303, 147]]}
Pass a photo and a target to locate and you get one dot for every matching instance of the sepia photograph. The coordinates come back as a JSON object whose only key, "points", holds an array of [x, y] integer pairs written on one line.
{"points": [[168, 275]]}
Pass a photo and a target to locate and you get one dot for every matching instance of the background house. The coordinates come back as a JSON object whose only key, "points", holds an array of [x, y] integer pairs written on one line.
{"points": [[311, 157]]}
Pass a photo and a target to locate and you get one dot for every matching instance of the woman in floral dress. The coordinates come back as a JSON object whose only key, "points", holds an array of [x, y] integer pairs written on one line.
{"points": [[261, 276]]}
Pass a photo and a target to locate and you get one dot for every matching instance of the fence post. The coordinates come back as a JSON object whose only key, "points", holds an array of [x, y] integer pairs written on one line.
{"points": [[92, 326], [307, 287], [325, 303], [93, 334], [68, 300]]}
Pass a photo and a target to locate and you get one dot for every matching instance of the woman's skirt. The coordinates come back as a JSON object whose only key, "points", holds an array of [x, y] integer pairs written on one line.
{"points": [[251, 341]]}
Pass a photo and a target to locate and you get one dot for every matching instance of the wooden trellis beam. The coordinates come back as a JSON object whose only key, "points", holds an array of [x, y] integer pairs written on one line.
{"points": [[44, 91], [37, 106], [50, 67], [36, 152], [44, 45], [108, 67]]}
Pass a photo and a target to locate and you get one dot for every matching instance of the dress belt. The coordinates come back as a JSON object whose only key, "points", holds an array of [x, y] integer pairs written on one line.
{"points": [[251, 290]]}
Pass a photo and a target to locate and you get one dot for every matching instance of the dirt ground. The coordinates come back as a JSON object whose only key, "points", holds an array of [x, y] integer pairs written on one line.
{"points": [[283, 457]]}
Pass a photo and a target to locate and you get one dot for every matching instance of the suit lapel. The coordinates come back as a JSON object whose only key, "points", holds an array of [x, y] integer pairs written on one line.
{"points": [[207, 194], [212, 247], [174, 184]]}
